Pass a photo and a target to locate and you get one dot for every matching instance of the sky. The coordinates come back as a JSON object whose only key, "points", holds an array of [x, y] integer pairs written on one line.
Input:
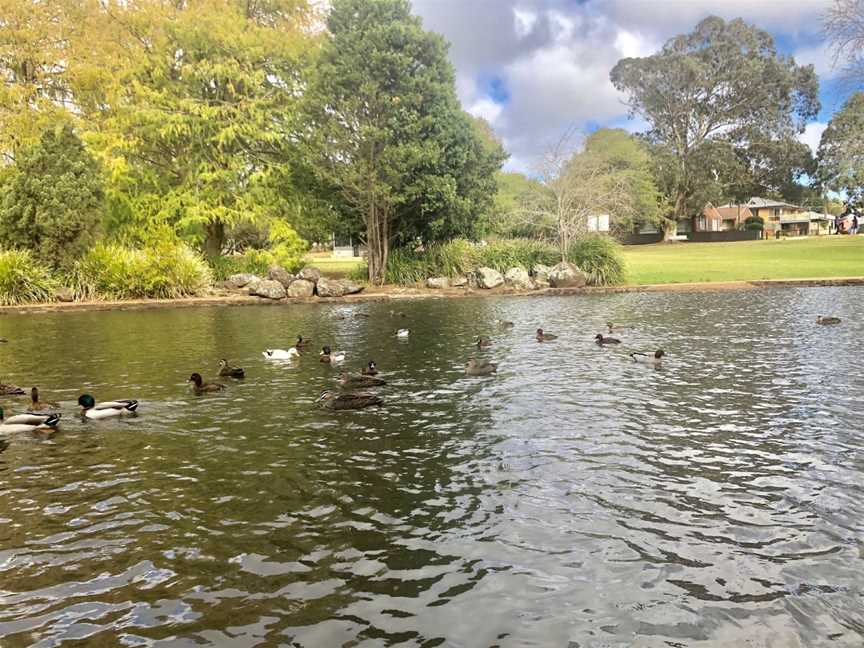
{"points": [[535, 68]]}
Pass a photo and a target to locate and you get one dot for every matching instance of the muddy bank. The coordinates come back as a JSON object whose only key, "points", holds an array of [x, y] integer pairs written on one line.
{"points": [[399, 293]]}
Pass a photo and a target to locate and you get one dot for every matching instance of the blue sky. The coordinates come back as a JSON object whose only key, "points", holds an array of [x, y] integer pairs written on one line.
{"points": [[533, 68]]}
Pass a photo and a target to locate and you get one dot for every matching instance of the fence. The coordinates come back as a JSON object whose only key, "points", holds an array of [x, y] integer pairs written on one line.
{"points": [[724, 237]]}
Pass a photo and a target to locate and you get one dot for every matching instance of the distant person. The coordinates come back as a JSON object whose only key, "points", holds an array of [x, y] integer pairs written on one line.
{"points": [[837, 220], [854, 229]]}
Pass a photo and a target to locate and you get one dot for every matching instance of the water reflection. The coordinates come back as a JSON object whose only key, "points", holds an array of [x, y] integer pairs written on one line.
{"points": [[575, 498]]}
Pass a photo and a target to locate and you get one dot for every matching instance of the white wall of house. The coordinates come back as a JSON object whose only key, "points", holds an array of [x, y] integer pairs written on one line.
{"points": [[598, 223]]}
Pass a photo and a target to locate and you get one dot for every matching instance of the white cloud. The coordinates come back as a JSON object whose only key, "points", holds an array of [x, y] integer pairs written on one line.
{"points": [[812, 135], [554, 56], [821, 58], [523, 21]]}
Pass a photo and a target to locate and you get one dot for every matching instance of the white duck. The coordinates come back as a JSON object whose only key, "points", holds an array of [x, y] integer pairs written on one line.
{"points": [[91, 410], [28, 422], [282, 354], [403, 333]]}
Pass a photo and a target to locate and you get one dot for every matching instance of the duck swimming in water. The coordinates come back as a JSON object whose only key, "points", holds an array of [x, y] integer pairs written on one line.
{"points": [[91, 410], [329, 356], [655, 360], [403, 333], [545, 337], [355, 382], [483, 342], [201, 387], [282, 354], [302, 343], [227, 371], [481, 367], [36, 405], [505, 324], [347, 401], [612, 326], [10, 390], [599, 339], [28, 422], [370, 369], [827, 321]]}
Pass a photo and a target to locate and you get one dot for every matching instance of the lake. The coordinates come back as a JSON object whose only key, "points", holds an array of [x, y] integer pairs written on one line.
{"points": [[574, 499]]}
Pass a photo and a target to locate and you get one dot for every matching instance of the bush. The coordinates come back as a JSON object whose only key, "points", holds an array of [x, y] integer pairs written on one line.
{"points": [[53, 201], [23, 279], [286, 249], [754, 223], [164, 272], [521, 253], [600, 258]]}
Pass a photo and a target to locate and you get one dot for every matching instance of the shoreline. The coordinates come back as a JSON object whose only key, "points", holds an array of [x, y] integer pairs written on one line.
{"points": [[391, 293]]}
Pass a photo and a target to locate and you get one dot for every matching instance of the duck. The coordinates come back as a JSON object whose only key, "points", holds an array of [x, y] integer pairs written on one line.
{"points": [[504, 323], [10, 390], [28, 422], [612, 326], [645, 358], [302, 343], [227, 371], [352, 382], [403, 333], [605, 340], [36, 405], [827, 321], [89, 408], [370, 369], [329, 356], [348, 400], [477, 367], [201, 387], [483, 342], [397, 314], [282, 354], [545, 337], [361, 315]]}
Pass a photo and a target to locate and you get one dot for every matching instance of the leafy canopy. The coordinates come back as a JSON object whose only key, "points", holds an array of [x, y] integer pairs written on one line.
{"points": [[841, 151]]}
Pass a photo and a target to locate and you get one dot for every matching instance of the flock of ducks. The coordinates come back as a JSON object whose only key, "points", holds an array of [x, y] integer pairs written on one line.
{"points": [[41, 415]]}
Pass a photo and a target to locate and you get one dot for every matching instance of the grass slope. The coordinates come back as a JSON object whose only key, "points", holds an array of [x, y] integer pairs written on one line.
{"points": [[834, 256]]}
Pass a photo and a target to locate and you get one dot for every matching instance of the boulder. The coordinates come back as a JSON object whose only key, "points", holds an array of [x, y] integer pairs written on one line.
{"points": [[437, 282], [239, 280], [65, 295], [280, 274], [267, 288], [301, 288], [488, 278], [310, 274], [518, 278], [567, 275], [459, 282], [337, 287]]}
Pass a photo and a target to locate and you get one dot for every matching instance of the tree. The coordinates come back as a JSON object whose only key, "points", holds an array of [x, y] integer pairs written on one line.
{"points": [[52, 202], [841, 151], [387, 130], [505, 217], [724, 82], [200, 123], [843, 25], [611, 175]]}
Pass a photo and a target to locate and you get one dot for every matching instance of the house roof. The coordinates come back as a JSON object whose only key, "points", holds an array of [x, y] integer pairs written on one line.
{"points": [[734, 212], [767, 202]]}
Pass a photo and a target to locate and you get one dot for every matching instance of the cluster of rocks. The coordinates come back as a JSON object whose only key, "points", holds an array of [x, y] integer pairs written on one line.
{"points": [[563, 275], [281, 284]]}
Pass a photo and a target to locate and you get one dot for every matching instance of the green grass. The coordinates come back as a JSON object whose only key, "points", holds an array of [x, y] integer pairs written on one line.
{"points": [[834, 256], [335, 267]]}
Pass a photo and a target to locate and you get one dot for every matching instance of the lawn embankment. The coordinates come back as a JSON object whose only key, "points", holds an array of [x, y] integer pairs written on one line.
{"points": [[834, 256]]}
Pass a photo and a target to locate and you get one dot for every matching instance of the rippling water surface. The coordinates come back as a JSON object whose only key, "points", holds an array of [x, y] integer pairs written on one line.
{"points": [[575, 499]]}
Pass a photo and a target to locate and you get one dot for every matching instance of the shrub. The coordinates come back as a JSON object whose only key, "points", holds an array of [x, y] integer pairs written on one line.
{"points": [[600, 258], [286, 249], [53, 200], [23, 279], [522, 253], [754, 223], [115, 272]]}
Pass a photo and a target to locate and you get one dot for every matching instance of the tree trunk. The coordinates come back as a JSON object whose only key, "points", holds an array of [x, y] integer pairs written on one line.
{"points": [[214, 239], [377, 242], [670, 227]]}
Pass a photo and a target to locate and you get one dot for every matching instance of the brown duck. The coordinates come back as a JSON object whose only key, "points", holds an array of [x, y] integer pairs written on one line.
{"points": [[354, 382], [347, 401], [201, 387]]}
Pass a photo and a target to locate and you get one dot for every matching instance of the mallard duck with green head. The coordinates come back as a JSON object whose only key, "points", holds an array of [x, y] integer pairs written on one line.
{"points": [[90, 410]]}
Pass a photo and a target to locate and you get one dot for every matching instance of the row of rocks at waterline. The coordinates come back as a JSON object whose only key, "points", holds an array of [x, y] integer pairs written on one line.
{"points": [[563, 275], [281, 284]]}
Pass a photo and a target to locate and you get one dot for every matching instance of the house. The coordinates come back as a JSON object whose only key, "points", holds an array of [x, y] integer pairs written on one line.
{"points": [[598, 223], [726, 218], [780, 218]]}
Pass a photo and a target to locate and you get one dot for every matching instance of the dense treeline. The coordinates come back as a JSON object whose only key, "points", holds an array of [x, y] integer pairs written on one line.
{"points": [[251, 126]]}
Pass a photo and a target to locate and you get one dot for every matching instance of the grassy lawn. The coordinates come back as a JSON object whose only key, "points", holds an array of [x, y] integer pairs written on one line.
{"points": [[834, 256], [332, 266]]}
